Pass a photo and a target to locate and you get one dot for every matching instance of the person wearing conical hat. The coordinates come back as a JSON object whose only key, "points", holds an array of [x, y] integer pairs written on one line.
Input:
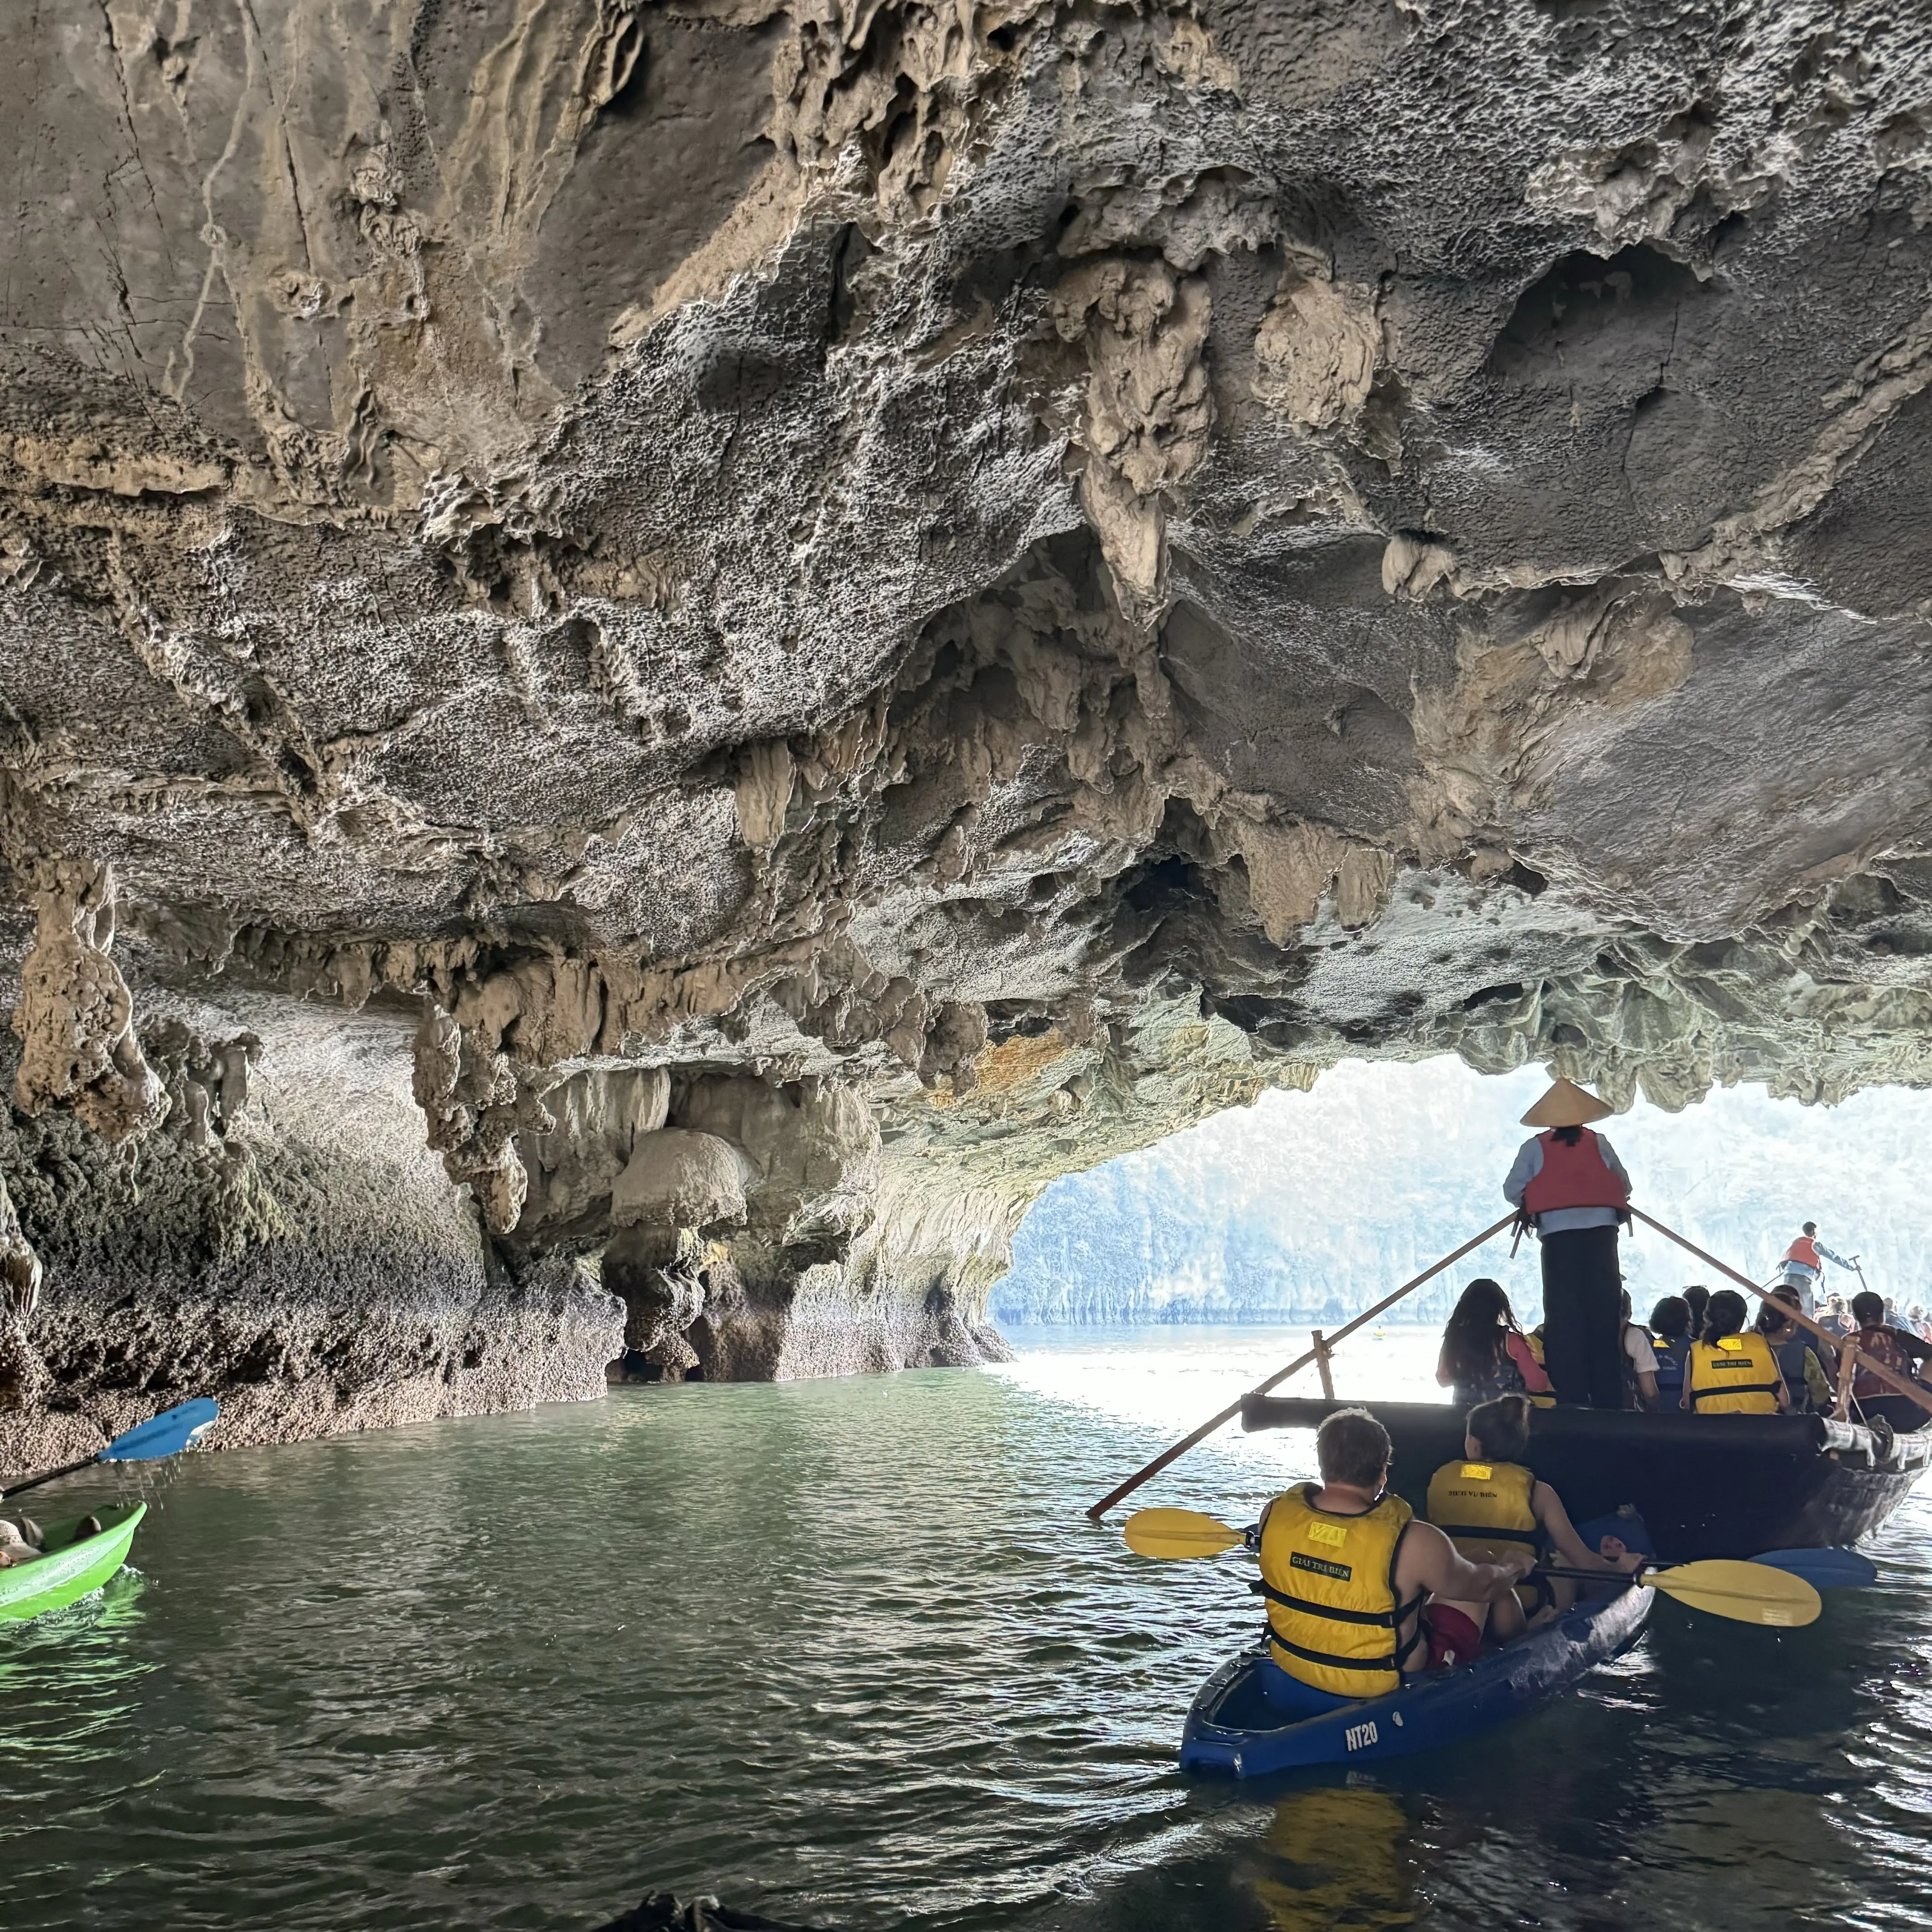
{"points": [[1569, 1185]]}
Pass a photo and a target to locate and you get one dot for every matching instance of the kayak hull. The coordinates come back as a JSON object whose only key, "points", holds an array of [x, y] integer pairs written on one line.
{"points": [[1729, 1486], [69, 1571], [1233, 1731]]}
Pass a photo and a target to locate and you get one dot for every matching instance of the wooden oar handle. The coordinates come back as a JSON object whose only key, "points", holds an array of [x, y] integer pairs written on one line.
{"points": [[1207, 1428]]}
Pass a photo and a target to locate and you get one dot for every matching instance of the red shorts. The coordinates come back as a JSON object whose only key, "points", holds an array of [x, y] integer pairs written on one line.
{"points": [[1452, 1639]]}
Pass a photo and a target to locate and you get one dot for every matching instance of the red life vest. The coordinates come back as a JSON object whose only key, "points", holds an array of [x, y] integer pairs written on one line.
{"points": [[1804, 1249], [1883, 1344], [1573, 1176]]}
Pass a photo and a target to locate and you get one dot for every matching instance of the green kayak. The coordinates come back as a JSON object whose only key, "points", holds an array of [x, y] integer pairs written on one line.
{"points": [[69, 1569]]}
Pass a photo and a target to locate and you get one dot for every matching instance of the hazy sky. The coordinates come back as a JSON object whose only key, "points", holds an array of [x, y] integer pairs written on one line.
{"points": [[1384, 1167]]}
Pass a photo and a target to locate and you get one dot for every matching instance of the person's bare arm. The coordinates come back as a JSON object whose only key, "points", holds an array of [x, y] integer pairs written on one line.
{"points": [[1443, 1379], [1554, 1521], [1430, 1562], [1646, 1382]]}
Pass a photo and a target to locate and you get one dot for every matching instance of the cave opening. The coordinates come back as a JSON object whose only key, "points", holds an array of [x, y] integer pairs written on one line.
{"points": [[1302, 1209]]}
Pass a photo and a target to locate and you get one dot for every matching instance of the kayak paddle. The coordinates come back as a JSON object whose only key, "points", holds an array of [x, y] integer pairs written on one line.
{"points": [[1178, 1532], [1750, 1593], [167, 1434], [1823, 1569]]}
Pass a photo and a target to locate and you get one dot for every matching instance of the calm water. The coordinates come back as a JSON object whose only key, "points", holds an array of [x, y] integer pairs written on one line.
{"points": [[848, 1652]]}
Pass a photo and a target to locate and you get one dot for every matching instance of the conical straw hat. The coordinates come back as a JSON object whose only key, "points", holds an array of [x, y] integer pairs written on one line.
{"points": [[1567, 1105]]}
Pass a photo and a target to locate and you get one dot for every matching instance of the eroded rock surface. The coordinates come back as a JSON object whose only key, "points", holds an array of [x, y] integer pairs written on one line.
{"points": [[836, 611]]}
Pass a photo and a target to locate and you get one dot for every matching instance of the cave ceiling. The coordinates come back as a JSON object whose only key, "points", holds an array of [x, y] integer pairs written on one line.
{"points": [[1056, 563]]}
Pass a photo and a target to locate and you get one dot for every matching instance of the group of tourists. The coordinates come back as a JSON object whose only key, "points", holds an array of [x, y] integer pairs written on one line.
{"points": [[1361, 1595], [1695, 1354], [1836, 1317], [1700, 1352]]}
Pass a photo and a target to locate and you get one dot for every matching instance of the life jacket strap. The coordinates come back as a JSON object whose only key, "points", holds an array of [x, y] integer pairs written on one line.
{"points": [[1394, 1660], [1478, 1532], [1382, 1619], [1735, 1388]]}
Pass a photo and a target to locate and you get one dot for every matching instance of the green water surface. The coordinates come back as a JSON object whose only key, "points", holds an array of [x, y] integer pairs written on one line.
{"points": [[847, 1653]]}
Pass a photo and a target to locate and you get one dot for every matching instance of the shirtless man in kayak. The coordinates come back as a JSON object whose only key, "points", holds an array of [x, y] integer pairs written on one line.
{"points": [[1345, 1570]]}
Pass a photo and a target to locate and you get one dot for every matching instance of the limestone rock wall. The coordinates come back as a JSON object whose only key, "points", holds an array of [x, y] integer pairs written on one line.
{"points": [[313, 1269], [841, 610]]}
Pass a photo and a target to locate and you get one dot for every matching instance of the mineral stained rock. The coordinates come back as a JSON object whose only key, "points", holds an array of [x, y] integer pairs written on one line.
{"points": [[801, 616]]}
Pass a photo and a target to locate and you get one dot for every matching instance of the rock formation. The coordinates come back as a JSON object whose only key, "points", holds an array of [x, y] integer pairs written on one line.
{"points": [[838, 610]]}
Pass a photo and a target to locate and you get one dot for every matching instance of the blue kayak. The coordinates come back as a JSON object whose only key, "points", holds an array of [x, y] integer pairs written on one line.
{"points": [[1233, 1728]]}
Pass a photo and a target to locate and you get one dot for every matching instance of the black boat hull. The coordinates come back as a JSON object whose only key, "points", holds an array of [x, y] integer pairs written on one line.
{"points": [[1707, 1485]]}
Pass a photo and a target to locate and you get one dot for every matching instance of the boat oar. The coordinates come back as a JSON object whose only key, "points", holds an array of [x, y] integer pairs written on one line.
{"points": [[1823, 1569], [1179, 1532], [167, 1434], [1750, 1593], [1323, 1347]]}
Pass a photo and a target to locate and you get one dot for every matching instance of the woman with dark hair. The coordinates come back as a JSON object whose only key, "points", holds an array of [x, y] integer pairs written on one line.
{"points": [[1697, 1299], [1670, 1330], [1490, 1503], [1568, 1184], [1484, 1353], [1805, 1363], [1731, 1373]]}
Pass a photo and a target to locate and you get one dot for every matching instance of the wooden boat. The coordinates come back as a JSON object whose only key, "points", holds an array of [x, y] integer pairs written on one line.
{"points": [[1233, 1728], [70, 1569], [1731, 1486]]}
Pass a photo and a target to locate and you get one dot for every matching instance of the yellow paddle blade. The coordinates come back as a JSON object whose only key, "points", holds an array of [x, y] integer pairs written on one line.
{"points": [[1179, 1532], [1751, 1592]]}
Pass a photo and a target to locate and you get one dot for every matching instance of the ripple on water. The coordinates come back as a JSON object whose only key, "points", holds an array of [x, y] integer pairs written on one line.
{"points": [[850, 1652]]}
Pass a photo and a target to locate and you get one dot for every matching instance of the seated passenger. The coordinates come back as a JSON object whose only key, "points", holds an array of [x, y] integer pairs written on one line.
{"points": [[1484, 1354], [1489, 1504], [1903, 1353], [1808, 1365], [1639, 1361], [1670, 1342], [19, 1542], [1731, 1373], [1697, 1299], [1345, 1571]]}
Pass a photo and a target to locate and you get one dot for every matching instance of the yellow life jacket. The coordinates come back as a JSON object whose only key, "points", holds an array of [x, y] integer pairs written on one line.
{"points": [[1333, 1618], [1484, 1508], [1736, 1374]]}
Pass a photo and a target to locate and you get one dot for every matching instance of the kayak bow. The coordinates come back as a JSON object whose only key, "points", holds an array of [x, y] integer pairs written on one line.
{"points": [[69, 1571]]}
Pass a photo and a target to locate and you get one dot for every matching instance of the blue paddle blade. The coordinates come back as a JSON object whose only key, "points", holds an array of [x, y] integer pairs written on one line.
{"points": [[1824, 1569], [167, 1434]]}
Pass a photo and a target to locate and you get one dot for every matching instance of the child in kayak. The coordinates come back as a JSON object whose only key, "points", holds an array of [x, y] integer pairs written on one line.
{"points": [[1491, 1502]]}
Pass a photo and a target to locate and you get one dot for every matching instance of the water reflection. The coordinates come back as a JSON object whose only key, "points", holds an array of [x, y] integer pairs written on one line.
{"points": [[1337, 1857], [849, 1653]]}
